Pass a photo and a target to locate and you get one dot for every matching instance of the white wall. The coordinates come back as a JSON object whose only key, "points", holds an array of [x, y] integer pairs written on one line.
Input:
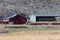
{"points": [[33, 18]]}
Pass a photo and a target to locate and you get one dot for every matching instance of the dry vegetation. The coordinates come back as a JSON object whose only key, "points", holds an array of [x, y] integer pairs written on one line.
{"points": [[32, 35], [29, 6]]}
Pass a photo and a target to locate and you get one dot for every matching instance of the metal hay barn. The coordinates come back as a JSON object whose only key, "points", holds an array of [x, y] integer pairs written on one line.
{"points": [[45, 18], [14, 19]]}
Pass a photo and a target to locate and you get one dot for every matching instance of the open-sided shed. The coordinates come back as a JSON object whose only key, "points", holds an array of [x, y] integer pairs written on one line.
{"points": [[44, 17]]}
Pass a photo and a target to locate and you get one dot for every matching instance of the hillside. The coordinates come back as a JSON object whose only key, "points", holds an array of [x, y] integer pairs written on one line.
{"points": [[29, 6]]}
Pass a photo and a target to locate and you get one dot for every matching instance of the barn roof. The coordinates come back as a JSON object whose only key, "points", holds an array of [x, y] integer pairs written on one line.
{"points": [[47, 14], [9, 15]]}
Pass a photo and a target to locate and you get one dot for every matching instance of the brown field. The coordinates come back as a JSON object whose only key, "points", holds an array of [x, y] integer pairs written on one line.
{"points": [[32, 35]]}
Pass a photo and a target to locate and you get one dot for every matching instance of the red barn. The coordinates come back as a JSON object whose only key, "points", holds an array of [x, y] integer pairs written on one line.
{"points": [[14, 19]]}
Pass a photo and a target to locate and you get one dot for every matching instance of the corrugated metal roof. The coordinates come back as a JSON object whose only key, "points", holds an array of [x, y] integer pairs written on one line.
{"points": [[9, 15], [47, 14]]}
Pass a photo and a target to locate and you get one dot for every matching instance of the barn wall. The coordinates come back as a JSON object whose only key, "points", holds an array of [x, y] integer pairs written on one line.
{"points": [[33, 18], [18, 20]]}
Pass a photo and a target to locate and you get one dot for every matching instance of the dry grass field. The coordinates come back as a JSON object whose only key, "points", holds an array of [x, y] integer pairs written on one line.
{"points": [[31, 34]]}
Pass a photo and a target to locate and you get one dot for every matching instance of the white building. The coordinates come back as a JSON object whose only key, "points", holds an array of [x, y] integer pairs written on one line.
{"points": [[45, 17]]}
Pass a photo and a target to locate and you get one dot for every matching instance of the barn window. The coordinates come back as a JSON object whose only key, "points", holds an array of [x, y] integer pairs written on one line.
{"points": [[45, 18]]}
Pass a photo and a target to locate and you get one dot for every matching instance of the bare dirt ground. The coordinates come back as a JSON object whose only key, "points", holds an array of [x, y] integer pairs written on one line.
{"points": [[32, 35]]}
